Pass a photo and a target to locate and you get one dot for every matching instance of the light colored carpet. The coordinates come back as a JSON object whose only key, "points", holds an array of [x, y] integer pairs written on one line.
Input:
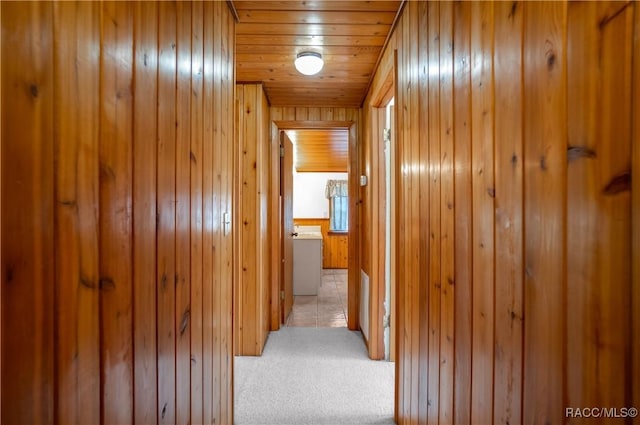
{"points": [[313, 376]]}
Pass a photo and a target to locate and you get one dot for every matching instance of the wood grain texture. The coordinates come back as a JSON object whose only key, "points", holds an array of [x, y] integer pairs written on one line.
{"points": [[482, 206], [508, 172], [253, 290], [276, 241], [116, 220], [545, 132], [425, 144], [76, 141], [352, 116], [614, 115], [145, 177], [286, 228], [197, 170], [166, 213], [430, 340], [183, 195], [28, 369], [447, 217], [102, 270], [323, 150], [211, 229], [225, 86], [403, 372], [220, 158], [92, 163], [377, 281], [583, 94], [635, 213], [515, 149], [349, 35], [463, 280], [417, 158]]}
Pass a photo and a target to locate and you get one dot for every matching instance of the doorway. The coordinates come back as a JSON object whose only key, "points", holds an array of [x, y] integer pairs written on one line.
{"points": [[382, 217], [282, 290], [320, 198]]}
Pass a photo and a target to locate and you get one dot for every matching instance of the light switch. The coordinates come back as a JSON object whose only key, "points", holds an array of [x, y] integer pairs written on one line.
{"points": [[226, 223]]}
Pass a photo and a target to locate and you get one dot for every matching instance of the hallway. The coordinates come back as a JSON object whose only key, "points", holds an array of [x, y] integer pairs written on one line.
{"points": [[313, 376], [144, 168]]}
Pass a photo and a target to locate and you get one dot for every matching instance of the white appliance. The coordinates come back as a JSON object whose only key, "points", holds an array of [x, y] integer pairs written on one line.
{"points": [[307, 260]]}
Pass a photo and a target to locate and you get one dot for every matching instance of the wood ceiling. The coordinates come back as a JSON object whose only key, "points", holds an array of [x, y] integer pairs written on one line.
{"points": [[321, 150], [349, 35]]}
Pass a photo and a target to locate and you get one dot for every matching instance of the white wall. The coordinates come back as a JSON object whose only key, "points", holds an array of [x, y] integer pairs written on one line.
{"points": [[308, 194]]}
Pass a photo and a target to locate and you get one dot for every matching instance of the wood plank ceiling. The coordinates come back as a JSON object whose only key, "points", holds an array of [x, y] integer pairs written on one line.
{"points": [[321, 150], [349, 35]]}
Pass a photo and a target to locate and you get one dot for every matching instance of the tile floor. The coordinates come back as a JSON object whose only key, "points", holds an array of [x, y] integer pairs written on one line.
{"points": [[328, 308]]}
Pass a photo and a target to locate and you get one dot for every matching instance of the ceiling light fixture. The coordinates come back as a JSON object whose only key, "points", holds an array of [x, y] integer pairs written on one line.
{"points": [[309, 63]]}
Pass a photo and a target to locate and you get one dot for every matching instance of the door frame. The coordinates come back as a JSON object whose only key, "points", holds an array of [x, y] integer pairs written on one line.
{"points": [[353, 295], [378, 208]]}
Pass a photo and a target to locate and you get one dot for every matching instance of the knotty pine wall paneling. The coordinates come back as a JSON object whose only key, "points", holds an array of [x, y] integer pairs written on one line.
{"points": [[253, 291], [599, 152], [224, 57], [77, 153], [516, 137], [115, 195], [145, 237], [28, 187], [117, 142]]}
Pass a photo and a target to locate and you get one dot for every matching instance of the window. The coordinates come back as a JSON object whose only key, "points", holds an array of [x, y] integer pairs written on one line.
{"points": [[337, 193]]}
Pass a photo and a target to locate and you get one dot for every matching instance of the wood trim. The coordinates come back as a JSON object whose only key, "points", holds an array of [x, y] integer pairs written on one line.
{"points": [[635, 214], [377, 205], [348, 118], [253, 282], [286, 125], [234, 11], [383, 51], [353, 319]]}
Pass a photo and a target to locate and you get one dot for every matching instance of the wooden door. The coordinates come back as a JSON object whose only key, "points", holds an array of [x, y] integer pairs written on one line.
{"points": [[286, 181]]}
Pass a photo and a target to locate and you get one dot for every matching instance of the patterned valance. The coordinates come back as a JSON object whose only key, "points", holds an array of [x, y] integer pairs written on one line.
{"points": [[336, 188]]}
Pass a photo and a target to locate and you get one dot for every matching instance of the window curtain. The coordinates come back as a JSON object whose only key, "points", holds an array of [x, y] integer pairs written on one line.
{"points": [[337, 192], [336, 188]]}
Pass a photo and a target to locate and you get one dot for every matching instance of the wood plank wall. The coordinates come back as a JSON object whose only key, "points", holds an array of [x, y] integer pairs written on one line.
{"points": [[306, 117], [635, 212], [335, 248], [514, 140], [253, 296], [117, 143]]}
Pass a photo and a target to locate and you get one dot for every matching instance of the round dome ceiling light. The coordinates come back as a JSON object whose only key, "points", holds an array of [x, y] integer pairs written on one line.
{"points": [[309, 63]]}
